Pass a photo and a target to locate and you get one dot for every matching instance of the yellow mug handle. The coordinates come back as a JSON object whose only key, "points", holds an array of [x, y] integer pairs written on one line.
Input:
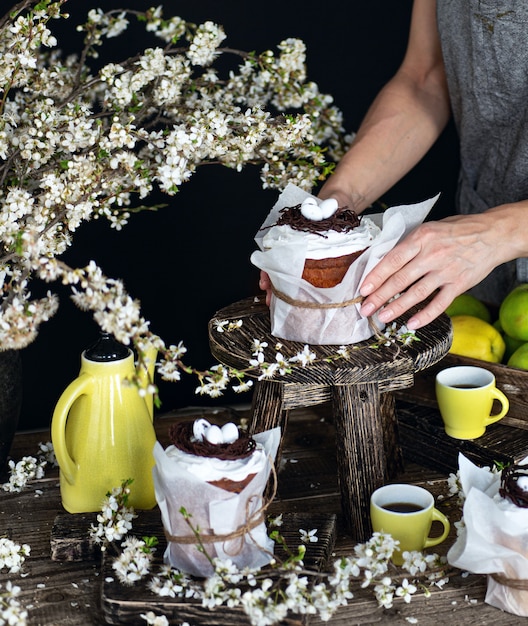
{"points": [[498, 395], [439, 517]]}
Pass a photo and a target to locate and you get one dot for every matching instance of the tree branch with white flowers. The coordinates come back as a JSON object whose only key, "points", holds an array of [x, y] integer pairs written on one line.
{"points": [[82, 140]]}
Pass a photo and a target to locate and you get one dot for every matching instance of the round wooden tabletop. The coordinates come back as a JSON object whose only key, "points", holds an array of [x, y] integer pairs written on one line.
{"points": [[367, 360]]}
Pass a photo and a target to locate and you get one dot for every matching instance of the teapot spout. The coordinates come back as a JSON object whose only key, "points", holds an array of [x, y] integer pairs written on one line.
{"points": [[146, 375]]}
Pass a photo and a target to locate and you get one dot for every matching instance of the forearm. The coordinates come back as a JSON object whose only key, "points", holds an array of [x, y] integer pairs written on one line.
{"points": [[396, 133], [504, 233], [403, 122]]}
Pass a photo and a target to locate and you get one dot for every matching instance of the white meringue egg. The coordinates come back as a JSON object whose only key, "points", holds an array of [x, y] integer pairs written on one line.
{"points": [[311, 210], [214, 435], [229, 432], [522, 482], [200, 427], [328, 207]]}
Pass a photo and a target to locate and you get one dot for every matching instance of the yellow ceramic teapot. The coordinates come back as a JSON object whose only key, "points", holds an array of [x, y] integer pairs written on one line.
{"points": [[102, 430]]}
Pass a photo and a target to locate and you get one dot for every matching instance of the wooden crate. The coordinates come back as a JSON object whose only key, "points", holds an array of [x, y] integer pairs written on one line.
{"points": [[421, 431], [123, 605], [120, 604]]}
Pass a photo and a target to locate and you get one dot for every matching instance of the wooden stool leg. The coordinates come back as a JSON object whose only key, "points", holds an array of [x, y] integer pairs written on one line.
{"points": [[360, 452], [267, 411], [391, 438]]}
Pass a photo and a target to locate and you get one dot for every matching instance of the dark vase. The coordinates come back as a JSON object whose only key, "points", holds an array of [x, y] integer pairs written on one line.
{"points": [[10, 401]]}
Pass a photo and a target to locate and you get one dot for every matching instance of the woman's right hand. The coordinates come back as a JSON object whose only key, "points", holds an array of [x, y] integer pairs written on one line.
{"points": [[265, 285]]}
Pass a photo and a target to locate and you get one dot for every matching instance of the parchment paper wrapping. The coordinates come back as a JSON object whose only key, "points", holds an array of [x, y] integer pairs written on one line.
{"points": [[213, 510], [495, 538], [285, 264]]}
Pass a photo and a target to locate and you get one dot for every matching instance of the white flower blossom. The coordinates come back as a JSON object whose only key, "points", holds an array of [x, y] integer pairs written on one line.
{"points": [[11, 611], [115, 519], [27, 469], [47, 453], [12, 555], [308, 536], [259, 347], [133, 563], [244, 386], [155, 620], [305, 357], [406, 590]]}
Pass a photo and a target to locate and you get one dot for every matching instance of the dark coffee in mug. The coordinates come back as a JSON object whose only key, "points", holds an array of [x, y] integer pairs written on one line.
{"points": [[466, 386], [402, 507]]}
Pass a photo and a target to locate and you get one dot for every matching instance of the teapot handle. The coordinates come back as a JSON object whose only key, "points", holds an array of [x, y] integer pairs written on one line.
{"points": [[58, 424]]}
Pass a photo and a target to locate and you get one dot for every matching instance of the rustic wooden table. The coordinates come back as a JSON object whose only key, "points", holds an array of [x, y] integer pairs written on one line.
{"points": [[69, 593]]}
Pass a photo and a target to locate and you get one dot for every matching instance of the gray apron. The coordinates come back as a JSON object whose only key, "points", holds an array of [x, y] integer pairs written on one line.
{"points": [[485, 49]]}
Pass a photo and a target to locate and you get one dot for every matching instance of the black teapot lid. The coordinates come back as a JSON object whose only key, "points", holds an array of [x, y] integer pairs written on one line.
{"points": [[106, 349]]}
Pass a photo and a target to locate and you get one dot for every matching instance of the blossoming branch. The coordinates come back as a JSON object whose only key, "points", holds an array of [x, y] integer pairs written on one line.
{"points": [[269, 595], [78, 144]]}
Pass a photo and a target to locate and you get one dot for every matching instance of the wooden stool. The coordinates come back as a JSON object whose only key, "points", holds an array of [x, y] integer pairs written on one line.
{"points": [[359, 388]]}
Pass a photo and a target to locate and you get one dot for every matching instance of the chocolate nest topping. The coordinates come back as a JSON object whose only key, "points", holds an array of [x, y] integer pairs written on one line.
{"points": [[181, 435], [509, 486], [343, 220]]}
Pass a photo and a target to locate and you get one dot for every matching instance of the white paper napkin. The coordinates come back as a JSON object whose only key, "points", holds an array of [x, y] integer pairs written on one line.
{"points": [[495, 537]]}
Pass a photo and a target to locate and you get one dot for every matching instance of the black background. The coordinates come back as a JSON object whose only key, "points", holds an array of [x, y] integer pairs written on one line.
{"points": [[186, 261]]}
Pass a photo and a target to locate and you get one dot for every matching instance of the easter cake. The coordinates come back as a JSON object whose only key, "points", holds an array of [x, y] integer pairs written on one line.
{"points": [[225, 457], [514, 484], [317, 255], [335, 237]]}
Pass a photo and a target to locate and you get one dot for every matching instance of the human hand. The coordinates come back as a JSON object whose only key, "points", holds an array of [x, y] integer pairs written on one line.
{"points": [[265, 285], [443, 258]]}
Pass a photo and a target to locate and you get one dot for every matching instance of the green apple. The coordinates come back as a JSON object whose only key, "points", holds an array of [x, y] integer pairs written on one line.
{"points": [[510, 342], [513, 313], [468, 304], [519, 358], [511, 346]]}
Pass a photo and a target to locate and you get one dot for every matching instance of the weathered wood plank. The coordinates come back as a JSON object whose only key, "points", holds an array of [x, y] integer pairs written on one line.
{"points": [[461, 604], [70, 539], [61, 594], [424, 441]]}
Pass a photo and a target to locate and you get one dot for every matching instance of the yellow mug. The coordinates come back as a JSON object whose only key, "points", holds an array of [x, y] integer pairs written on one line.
{"points": [[407, 513], [465, 396]]}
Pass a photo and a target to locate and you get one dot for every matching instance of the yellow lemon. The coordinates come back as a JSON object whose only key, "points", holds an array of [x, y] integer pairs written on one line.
{"points": [[513, 313], [468, 304], [475, 338]]}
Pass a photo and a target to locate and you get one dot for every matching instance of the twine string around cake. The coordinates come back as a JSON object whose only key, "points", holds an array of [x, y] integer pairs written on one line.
{"points": [[252, 521], [304, 304], [513, 583]]}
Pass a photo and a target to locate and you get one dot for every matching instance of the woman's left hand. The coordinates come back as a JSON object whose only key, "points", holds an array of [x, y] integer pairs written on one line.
{"points": [[444, 258]]}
